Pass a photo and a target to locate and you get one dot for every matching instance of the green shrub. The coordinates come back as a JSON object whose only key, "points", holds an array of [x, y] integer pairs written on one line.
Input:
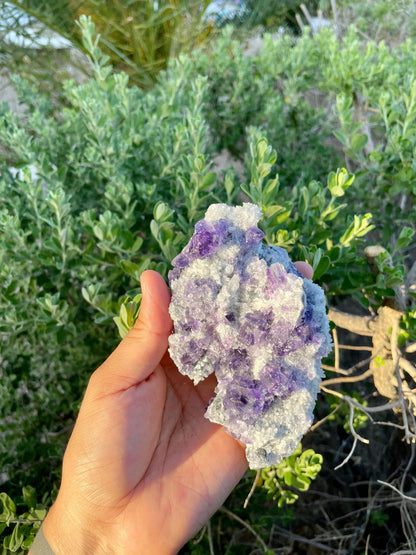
{"points": [[296, 471], [112, 183], [75, 216], [268, 90]]}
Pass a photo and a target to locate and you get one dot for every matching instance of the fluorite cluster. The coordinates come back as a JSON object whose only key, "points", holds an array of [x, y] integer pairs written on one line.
{"points": [[242, 310]]}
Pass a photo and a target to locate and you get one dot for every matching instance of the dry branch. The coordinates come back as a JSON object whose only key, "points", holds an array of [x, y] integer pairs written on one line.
{"points": [[361, 325]]}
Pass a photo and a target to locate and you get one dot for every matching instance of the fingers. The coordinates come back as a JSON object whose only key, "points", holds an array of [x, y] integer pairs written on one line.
{"points": [[138, 354], [305, 269]]}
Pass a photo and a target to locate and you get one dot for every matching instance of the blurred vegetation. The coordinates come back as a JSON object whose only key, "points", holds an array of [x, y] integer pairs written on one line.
{"points": [[139, 37]]}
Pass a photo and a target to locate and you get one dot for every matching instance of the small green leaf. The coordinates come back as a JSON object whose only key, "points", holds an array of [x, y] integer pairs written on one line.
{"points": [[379, 361], [209, 180], [199, 163], [29, 496], [358, 141], [15, 540], [7, 508], [339, 182], [340, 136], [402, 338], [159, 211], [261, 148], [405, 238], [123, 330], [154, 228]]}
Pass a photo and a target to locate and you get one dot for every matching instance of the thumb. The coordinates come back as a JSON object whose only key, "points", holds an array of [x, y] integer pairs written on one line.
{"points": [[138, 354]]}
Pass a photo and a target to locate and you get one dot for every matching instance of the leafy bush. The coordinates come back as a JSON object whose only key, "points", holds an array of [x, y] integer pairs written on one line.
{"points": [[316, 98], [267, 90], [296, 471], [75, 216], [111, 184], [26, 524]]}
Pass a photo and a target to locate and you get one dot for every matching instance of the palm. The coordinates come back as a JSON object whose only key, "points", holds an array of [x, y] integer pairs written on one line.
{"points": [[195, 465], [176, 466]]}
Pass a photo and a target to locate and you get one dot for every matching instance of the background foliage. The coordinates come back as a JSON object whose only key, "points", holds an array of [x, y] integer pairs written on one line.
{"points": [[138, 36], [105, 180]]}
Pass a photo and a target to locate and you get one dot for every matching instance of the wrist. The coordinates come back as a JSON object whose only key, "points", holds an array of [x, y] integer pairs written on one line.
{"points": [[67, 534]]}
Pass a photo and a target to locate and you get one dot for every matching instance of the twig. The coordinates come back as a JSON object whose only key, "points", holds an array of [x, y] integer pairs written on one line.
{"points": [[355, 366], [410, 281], [362, 325], [364, 35], [395, 356], [349, 379], [332, 369], [354, 433], [411, 537], [307, 15], [253, 487], [301, 539], [379, 408], [347, 458], [201, 535], [317, 424], [392, 424], [210, 542], [300, 22], [336, 348], [408, 466], [249, 528], [411, 348], [356, 347], [402, 495]]}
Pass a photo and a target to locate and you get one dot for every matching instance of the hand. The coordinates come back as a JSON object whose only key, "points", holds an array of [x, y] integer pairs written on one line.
{"points": [[143, 470]]}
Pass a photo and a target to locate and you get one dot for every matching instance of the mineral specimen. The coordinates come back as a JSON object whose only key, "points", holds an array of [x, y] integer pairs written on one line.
{"points": [[242, 310]]}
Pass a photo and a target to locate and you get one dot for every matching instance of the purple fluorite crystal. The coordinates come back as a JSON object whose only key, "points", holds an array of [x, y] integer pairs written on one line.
{"points": [[242, 310]]}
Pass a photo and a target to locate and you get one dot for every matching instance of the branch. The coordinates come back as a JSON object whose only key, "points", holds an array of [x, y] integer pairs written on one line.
{"points": [[307, 15], [253, 487], [210, 542], [362, 325], [350, 454], [249, 528], [409, 435], [379, 408], [303, 540], [300, 22], [349, 379], [408, 367], [402, 495]]}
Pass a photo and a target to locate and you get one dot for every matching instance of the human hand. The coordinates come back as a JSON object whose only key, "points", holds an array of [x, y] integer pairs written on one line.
{"points": [[143, 470]]}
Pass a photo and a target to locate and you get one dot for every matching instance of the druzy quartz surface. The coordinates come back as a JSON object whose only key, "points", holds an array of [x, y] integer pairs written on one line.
{"points": [[242, 310]]}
